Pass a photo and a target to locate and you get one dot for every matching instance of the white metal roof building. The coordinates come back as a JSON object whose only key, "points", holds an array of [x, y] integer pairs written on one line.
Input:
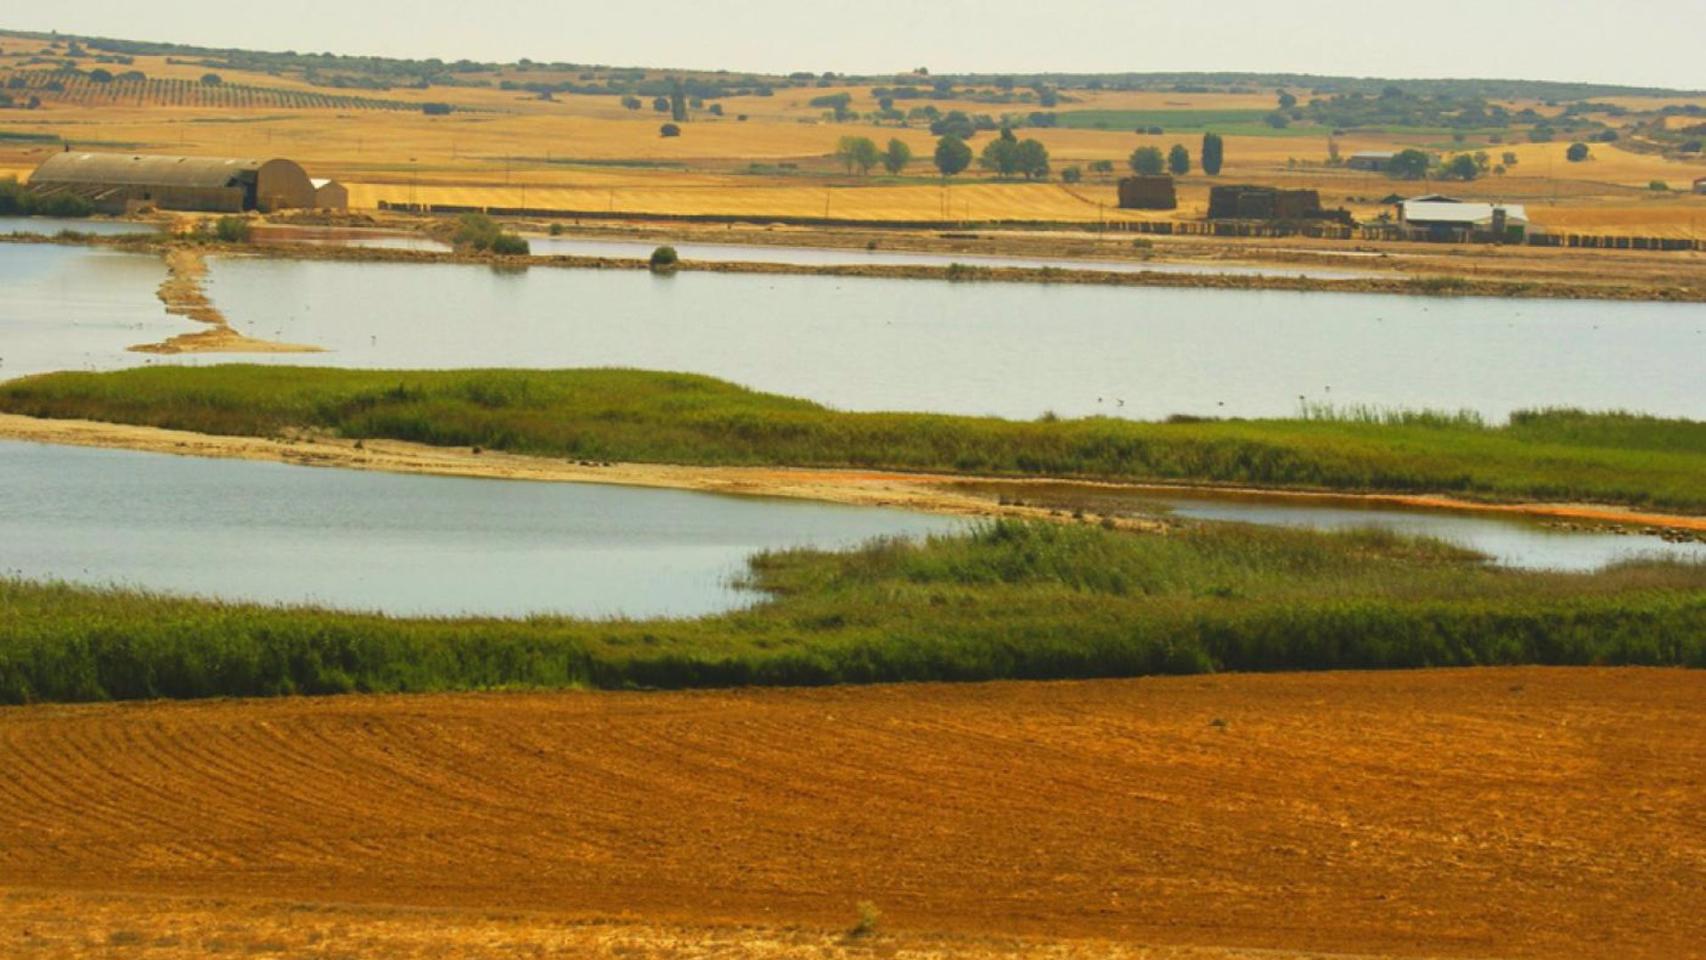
{"points": [[1450, 214]]}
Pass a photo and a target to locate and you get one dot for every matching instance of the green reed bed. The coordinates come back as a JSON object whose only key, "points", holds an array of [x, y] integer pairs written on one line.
{"points": [[1008, 600], [679, 418]]}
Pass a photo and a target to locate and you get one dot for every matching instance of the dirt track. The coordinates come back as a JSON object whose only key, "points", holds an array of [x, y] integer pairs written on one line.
{"points": [[1493, 813]]}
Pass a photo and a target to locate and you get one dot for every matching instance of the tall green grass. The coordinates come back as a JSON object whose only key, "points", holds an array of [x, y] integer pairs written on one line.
{"points": [[681, 418], [1005, 601]]}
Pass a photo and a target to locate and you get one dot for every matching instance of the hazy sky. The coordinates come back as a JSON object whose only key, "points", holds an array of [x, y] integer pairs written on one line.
{"points": [[1652, 42]]}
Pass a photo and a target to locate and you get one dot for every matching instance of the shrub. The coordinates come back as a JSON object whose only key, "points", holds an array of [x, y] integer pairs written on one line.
{"points": [[1071, 175], [436, 109], [1577, 153], [510, 245], [1659, 186], [231, 230], [669, 130], [1147, 161], [664, 260]]}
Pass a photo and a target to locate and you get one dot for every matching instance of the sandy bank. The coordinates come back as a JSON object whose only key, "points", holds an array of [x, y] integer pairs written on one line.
{"points": [[934, 493], [185, 296]]}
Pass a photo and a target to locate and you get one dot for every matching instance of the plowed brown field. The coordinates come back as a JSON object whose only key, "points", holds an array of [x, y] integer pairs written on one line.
{"points": [[1490, 813]]}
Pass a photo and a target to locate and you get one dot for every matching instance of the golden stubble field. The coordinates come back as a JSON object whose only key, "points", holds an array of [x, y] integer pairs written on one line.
{"points": [[588, 153]]}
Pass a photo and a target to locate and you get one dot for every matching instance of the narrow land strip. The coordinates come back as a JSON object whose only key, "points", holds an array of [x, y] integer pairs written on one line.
{"points": [[184, 295], [931, 492]]}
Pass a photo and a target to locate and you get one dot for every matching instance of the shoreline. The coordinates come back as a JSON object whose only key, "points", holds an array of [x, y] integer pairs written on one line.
{"points": [[1448, 285], [938, 493]]}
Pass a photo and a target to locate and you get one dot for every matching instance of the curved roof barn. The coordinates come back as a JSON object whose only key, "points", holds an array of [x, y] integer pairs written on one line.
{"points": [[181, 183]]}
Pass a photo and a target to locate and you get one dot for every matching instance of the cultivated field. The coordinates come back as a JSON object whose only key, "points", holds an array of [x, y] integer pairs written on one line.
{"points": [[589, 153], [1484, 813]]}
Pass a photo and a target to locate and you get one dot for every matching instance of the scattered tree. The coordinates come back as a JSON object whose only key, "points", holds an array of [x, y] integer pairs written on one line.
{"points": [[1577, 153], [1659, 186], [211, 79], [660, 104], [1071, 175], [1033, 159], [1408, 165], [1213, 154], [952, 155], [1286, 100], [435, 109], [1460, 167], [1147, 161], [1102, 166], [1001, 155], [632, 102], [669, 130], [1179, 160], [664, 260], [896, 157], [678, 103], [857, 152]]}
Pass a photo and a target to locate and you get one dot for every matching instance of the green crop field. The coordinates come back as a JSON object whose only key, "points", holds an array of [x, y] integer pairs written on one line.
{"points": [[680, 418]]}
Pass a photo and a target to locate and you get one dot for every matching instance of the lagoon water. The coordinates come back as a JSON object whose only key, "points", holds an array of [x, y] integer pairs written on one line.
{"points": [[817, 256], [1508, 541], [1010, 350], [406, 545], [77, 308], [51, 226]]}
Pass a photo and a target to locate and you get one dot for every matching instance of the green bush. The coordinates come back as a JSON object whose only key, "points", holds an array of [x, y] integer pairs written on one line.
{"points": [[664, 259], [232, 230], [511, 245]]}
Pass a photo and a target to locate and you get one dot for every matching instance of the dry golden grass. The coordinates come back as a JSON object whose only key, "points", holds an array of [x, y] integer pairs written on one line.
{"points": [[589, 153]]}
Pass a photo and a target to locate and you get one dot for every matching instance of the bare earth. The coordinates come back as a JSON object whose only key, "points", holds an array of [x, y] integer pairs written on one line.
{"points": [[1495, 813], [935, 493]]}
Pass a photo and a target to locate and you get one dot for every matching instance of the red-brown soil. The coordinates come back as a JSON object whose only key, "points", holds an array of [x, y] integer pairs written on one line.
{"points": [[1481, 813]]}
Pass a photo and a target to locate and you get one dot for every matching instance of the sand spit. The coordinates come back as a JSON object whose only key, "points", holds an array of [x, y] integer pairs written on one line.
{"points": [[184, 295], [951, 494]]}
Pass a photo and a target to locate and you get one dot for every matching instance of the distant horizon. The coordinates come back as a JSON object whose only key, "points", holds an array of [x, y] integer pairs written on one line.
{"points": [[1516, 40]]}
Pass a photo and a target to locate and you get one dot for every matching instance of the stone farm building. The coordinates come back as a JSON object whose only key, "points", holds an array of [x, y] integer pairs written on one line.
{"points": [[122, 182], [1148, 193], [1445, 218]]}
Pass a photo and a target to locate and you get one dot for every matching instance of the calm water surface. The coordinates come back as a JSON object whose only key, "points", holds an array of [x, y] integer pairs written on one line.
{"points": [[817, 256], [77, 308], [1515, 543], [406, 545], [1011, 350], [51, 226]]}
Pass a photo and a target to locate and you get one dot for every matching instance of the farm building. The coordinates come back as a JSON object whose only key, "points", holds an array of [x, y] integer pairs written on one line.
{"points": [[1442, 218], [1700, 185], [1148, 193], [330, 195], [117, 182], [1268, 203], [1374, 160]]}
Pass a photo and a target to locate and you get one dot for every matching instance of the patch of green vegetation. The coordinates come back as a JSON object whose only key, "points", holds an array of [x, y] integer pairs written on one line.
{"points": [[1172, 121], [13, 136], [1008, 600], [17, 200], [681, 418]]}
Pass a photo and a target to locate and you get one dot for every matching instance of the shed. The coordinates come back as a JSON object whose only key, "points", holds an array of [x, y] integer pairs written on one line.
{"points": [[115, 182], [1370, 160], [1700, 185], [330, 195]]}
